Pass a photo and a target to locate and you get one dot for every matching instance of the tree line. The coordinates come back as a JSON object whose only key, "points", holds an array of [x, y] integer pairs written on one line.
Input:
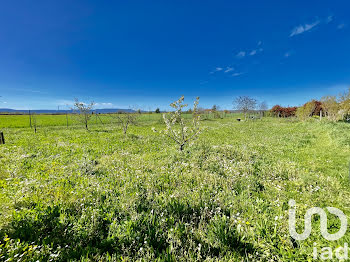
{"points": [[333, 108]]}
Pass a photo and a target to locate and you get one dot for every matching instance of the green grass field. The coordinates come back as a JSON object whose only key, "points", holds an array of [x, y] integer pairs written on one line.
{"points": [[20, 121], [67, 194]]}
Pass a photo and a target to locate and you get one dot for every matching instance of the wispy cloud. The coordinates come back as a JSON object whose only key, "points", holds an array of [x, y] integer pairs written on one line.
{"points": [[229, 69], [329, 19], [241, 54], [287, 54], [341, 26], [217, 69], [253, 52], [303, 28], [63, 102], [104, 104], [256, 51]]}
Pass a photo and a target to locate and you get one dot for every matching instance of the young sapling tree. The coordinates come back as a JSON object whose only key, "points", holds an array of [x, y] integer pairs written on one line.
{"points": [[2, 139], [126, 119], [34, 122], [177, 128], [263, 108], [84, 111]]}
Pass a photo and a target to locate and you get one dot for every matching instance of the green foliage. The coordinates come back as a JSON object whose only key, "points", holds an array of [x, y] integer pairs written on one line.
{"points": [[72, 195], [305, 112], [215, 112], [330, 107]]}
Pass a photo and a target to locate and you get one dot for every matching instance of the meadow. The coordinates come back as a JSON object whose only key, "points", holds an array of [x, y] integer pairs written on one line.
{"points": [[47, 120], [68, 194]]}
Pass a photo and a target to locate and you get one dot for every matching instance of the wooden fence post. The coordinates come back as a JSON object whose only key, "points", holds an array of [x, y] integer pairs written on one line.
{"points": [[30, 119], [2, 139]]}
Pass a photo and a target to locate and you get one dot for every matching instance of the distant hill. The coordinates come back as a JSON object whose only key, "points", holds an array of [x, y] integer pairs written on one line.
{"points": [[46, 111]]}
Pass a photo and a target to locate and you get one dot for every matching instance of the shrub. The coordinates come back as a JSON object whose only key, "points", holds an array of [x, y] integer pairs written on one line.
{"points": [[215, 112], [309, 109], [280, 111], [330, 107]]}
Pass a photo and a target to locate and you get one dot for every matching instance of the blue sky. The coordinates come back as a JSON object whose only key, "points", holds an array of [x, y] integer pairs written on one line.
{"points": [[148, 53]]}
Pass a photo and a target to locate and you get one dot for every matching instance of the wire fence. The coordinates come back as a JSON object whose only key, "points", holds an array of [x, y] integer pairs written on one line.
{"points": [[68, 120]]}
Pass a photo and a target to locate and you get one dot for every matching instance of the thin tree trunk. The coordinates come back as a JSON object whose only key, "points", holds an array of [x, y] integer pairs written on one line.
{"points": [[182, 147], [30, 120], [2, 139]]}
